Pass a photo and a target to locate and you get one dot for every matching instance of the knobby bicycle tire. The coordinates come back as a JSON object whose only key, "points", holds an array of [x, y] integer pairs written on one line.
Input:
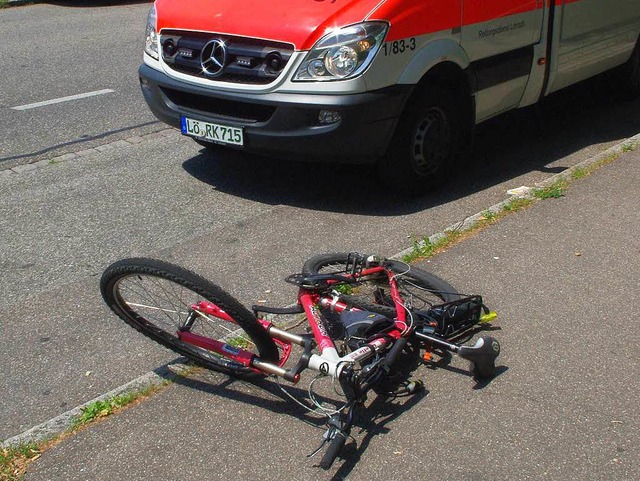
{"points": [[419, 288], [155, 298]]}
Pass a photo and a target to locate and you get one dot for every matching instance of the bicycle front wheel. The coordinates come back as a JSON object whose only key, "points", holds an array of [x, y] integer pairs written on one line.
{"points": [[418, 288], [157, 299]]}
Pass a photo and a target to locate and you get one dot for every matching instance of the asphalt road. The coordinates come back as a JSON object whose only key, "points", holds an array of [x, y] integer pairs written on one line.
{"points": [[53, 51], [246, 222], [564, 276]]}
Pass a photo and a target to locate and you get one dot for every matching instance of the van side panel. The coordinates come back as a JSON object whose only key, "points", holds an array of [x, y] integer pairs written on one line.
{"points": [[422, 34], [499, 37], [415, 18], [593, 36]]}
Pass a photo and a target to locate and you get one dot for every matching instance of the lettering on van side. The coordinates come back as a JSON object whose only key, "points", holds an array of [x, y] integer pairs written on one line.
{"points": [[492, 32], [399, 46]]}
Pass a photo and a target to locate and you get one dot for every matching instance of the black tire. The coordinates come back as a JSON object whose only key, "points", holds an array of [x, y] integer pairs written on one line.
{"points": [[155, 298], [420, 287], [426, 142], [630, 75]]}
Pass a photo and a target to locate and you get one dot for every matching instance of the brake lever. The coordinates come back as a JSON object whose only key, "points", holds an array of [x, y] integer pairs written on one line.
{"points": [[329, 434], [325, 440]]}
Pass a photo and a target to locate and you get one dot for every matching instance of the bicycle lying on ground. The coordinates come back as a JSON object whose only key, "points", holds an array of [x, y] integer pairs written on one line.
{"points": [[369, 318]]}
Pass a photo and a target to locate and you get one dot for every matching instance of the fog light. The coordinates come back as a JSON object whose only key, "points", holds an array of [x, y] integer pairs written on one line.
{"points": [[316, 68], [329, 117]]}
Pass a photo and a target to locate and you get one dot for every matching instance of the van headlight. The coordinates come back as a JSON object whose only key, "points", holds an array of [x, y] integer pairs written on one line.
{"points": [[151, 36], [342, 54]]}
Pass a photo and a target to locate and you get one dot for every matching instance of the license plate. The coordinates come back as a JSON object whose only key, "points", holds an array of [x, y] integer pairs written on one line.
{"points": [[222, 134]]}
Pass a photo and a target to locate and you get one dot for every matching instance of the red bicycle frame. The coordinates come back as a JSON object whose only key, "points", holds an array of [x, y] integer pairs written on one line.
{"points": [[328, 362]]}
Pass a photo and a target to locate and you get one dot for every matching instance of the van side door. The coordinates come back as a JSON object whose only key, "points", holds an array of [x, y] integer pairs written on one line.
{"points": [[498, 37], [592, 36]]}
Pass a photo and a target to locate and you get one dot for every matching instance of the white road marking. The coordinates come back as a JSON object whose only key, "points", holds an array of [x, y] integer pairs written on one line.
{"points": [[63, 99]]}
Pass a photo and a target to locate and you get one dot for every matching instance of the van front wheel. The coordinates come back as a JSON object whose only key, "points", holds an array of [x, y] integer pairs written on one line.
{"points": [[425, 143]]}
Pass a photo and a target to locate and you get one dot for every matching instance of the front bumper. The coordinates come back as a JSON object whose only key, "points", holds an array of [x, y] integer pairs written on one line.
{"points": [[285, 125]]}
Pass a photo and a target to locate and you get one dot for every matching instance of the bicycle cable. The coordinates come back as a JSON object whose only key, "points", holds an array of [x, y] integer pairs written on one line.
{"points": [[319, 409], [312, 396], [300, 403]]}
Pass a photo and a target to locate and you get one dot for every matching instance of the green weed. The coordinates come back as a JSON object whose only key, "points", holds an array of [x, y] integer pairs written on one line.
{"points": [[100, 409], [580, 173], [106, 407], [516, 204], [14, 460], [420, 248], [344, 289], [489, 216], [424, 248], [553, 191], [239, 342]]}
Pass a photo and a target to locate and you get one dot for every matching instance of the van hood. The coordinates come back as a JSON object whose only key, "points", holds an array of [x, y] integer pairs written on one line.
{"points": [[299, 22]]}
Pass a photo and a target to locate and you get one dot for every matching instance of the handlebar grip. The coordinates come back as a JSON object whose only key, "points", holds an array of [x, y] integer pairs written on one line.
{"points": [[357, 261], [373, 260], [335, 445]]}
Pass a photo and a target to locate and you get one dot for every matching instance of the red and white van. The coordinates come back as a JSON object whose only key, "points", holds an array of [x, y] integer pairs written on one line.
{"points": [[398, 82]]}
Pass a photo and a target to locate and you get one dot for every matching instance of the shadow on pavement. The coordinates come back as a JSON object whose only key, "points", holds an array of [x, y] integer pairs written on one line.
{"points": [[381, 412], [266, 394], [519, 142], [252, 390]]}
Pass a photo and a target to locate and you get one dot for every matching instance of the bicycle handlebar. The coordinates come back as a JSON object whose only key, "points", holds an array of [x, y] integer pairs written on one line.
{"points": [[356, 261]]}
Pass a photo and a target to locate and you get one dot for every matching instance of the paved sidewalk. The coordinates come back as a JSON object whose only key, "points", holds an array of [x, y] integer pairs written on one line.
{"points": [[564, 277]]}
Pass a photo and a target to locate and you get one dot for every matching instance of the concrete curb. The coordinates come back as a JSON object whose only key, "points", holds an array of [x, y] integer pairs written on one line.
{"points": [[117, 144], [527, 192], [63, 422]]}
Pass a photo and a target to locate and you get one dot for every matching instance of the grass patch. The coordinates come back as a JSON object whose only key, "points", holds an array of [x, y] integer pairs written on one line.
{"points": [[489, 216], [239, 342], [420, 249], [103, 408], [516, 204], [580, 173], [100, 409], [346, 289], [15, 459], [425, 248], [554, 191]]}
